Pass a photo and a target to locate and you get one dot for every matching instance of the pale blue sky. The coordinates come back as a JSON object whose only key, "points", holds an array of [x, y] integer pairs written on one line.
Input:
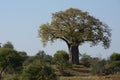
{"points": [[20, 21]]}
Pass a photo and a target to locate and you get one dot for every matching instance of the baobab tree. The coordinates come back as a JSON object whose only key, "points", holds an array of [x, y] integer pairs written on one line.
{"points": [[75, 27]]}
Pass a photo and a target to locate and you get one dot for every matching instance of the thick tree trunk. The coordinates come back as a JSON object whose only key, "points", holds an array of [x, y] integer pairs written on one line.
{"points": [[73, 54]]}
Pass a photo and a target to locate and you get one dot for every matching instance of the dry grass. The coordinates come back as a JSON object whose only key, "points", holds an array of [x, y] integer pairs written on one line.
{"points": [[80, 72], [75, 78], [109, 77]]}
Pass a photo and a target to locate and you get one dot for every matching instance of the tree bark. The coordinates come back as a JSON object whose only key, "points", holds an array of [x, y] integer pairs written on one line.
{"points": [[73, 54]]}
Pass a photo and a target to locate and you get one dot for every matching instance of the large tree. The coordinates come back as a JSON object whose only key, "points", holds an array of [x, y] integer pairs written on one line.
{"points": [[75, 27]]}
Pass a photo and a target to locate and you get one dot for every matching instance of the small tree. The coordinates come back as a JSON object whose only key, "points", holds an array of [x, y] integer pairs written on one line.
{"points": [[115, 57], [114, 63], [44, 57], [41, 54], [10, 61], [75, 27], [86, 60], [61, 58], [8, 45]]}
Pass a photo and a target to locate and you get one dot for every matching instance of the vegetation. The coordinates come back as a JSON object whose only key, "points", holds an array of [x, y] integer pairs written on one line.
{"points": [[10, 61], [114, 63], [86, 60], [75, 27], [17, 65], [61, 60], [110, 77], [75, 78], [60, 57], [98, 66], [8, 45], [38, 71], [44, 57]]}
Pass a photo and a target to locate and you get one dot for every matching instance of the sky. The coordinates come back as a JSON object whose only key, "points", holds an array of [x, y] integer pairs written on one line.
{"points": [[20, 21]]}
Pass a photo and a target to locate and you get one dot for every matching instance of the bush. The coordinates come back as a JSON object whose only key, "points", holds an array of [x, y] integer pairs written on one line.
{"points": [[86, 60], [61, 59], [37, 71], [98, 66], [10, 62], [43, 57], [115, 57], [114, 63]]}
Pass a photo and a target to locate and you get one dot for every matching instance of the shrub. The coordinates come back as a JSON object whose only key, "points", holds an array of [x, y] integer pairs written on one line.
{"points": [[98, 66], [61, 60], [60, 57], [86, 60], [10, 62], [38, 72], [114, 63]]}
